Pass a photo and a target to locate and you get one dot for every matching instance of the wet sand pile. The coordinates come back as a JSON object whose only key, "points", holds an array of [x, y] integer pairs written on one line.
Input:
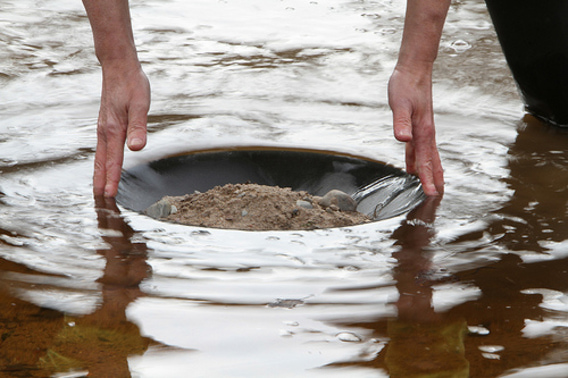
{"points": [[259, 207]]}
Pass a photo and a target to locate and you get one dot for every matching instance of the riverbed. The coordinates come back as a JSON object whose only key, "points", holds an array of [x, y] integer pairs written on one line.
{"points": [[471, 285]]}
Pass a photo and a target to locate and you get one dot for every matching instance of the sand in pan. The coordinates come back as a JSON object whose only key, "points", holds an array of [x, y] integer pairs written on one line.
{"points": [[261, 207]]}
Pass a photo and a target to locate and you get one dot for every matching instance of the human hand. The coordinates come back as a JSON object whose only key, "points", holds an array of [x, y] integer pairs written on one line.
{"points": [[125, 101], [410, 98]]}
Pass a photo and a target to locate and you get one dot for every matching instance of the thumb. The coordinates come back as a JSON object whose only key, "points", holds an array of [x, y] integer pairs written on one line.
{"points": [[136, 132], [402, 124]]}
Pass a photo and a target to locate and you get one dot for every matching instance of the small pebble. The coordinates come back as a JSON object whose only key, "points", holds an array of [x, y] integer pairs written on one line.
{"points": [[304, 204], [340, 199], [160, 209]]}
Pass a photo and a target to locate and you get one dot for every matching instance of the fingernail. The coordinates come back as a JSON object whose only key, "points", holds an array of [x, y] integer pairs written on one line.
{"points": [[135, 142]]}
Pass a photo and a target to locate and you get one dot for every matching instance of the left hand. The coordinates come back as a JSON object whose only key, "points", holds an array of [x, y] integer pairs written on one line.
{"points": [[410, 98]]}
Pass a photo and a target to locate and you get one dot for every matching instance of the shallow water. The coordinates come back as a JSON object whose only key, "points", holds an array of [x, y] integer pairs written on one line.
{"points": [[474, 285]]}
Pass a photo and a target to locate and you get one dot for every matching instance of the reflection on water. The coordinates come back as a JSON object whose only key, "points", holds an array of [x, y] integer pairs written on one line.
{"points": [[472, 286], [510, 319], [101, 341], [537, 212], [37, 341]]}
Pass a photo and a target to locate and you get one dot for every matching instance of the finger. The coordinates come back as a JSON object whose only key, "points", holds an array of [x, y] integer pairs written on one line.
{"points": [[423, 161], [403, 128], [426, 158], [438, 175], [427, 180], [435, 170], [99, 176], [137, 120], [114, 157], [410, 158], [430, 173], [402, 124]]}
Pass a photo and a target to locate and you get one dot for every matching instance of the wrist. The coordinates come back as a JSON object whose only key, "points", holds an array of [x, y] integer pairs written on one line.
{"points": [[112, 53], [414, 67], [117, 66], [415, 74]]}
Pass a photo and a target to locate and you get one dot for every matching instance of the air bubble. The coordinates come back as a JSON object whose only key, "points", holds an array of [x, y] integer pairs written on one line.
{"points": [[460, 46], [348, 337]]}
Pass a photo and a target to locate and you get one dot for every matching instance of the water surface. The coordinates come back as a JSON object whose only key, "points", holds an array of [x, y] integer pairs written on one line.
{"points": [[473, 285]]}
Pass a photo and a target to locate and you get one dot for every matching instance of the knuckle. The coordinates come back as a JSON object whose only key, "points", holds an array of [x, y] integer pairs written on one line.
{"points": [[113, 132], [137, 127], [99, 166]]}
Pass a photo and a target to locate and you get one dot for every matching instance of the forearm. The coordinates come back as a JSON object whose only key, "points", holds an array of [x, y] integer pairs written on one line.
{"points": [[410, 91], [422, 32], [125, 95], [112, 31]]}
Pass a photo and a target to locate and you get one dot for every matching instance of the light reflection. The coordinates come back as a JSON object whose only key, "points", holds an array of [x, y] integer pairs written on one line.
{"points": [[433, 339], [538, 162], [101, 341], [511, 318]]}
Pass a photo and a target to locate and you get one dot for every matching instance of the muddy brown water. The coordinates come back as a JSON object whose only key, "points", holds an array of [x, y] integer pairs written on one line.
{"points": [[472, 285]]}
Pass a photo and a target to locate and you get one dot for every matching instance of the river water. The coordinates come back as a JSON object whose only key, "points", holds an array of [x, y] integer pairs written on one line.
{"points": [[474, 285]]}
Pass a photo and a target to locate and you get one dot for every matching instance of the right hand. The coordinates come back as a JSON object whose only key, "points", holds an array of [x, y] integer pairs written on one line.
{"points": [[410, 98]]}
